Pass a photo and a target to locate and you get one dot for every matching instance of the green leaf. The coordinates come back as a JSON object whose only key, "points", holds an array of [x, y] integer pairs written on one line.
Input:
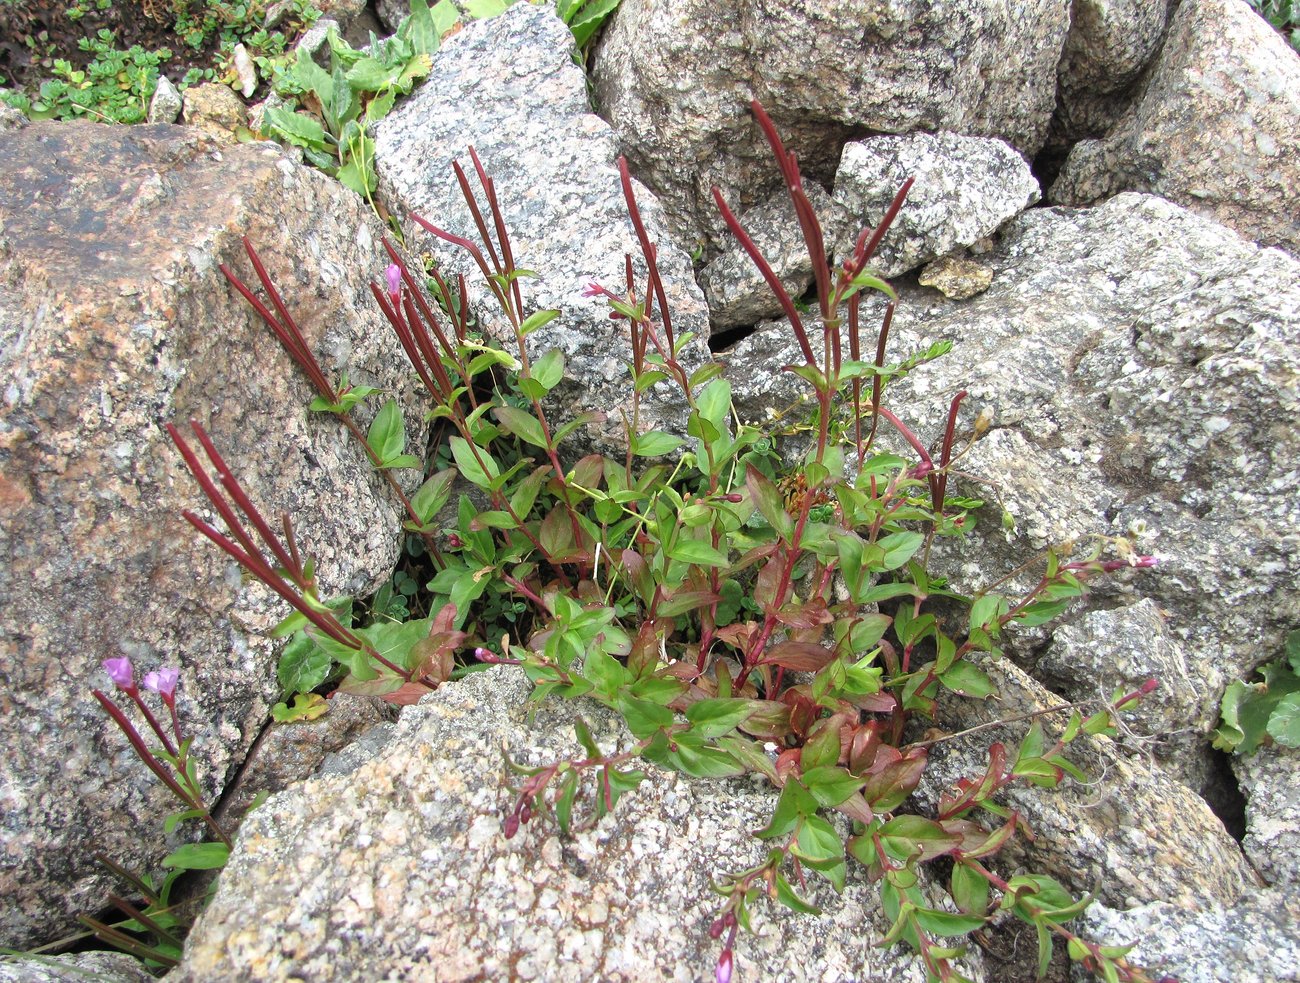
{"points": [[944, 923], [299, 129], [303, 665], [564, 800], [198, 856], [967, 680], [702, 762], [866, 280], [522, 424], [539, 319], [786, 895], [176, 818], [654, 443], [358, 174], [915, 837], [986, 610], [899, 547], [431, 496], [818, 841], [969, 890], [309, 75], [469, 464], [795, 803], [306, 706], [370, 75], [769, 500], [716, 717], [644, 717], [387, 435], [483, 9], [1284, 724], [831, 785], [697, 552]]}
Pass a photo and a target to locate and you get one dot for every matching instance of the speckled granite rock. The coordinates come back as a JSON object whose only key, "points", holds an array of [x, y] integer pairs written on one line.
{"points": [[1214, 128], [966, 187], [1102, 651], [398, 870], [104, 967], [736, 291], [675, 77], [1133, 836], [509, 87], [114, 319], [1142, 368], [1270, 779], [1256, 940], [1109, 44]]}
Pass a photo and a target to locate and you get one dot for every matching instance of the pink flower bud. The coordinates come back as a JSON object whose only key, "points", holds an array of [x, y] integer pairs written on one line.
{"points": [[511, 826], [121, 672], [735, 498], [394, 277], [724, 967], [163, 682], [1148, 687], [593, 289]]}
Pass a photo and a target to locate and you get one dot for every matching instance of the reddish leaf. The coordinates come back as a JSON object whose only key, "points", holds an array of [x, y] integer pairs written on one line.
{"points": [[769, 581], [798, 656], [809, 614], [407, 694], [886, 790]]}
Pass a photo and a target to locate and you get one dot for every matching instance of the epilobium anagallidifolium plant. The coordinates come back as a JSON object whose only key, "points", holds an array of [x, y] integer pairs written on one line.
{"points": [[155, 933], [741, 614]]}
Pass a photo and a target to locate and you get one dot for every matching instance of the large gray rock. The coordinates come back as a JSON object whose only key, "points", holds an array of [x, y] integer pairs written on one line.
{"points": [[105, 967], [675, 78], [1268, 779], [737, 292], [965, 188], [1141, 366], [1214, 128], [1109, 44], [114, 320], [1132, 835], [399, 870], [1256, 940], [1102, 651], [509, 87]]}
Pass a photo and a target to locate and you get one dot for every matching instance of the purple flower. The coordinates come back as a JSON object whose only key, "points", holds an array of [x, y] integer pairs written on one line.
{"points": [[121, 672], [394, 277], [724, 967], [163, 682]]}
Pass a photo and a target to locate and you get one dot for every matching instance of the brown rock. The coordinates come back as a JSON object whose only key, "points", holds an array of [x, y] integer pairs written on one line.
{"points": [[215, 109]]}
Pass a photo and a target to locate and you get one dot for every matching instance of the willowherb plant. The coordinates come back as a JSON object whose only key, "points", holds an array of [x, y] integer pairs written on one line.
{"points": [[722, 602], [155, 933]]}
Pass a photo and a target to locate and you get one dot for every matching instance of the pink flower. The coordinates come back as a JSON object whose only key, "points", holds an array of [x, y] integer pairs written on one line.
{"points": [[121, 672], [593, 289], [394, 277], [724, 967], [163, 682]]}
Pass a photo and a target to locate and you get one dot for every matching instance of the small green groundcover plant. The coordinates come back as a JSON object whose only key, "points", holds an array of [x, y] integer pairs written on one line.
{"points": [[1283, 15], [743, 615], [1264, 712]]}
